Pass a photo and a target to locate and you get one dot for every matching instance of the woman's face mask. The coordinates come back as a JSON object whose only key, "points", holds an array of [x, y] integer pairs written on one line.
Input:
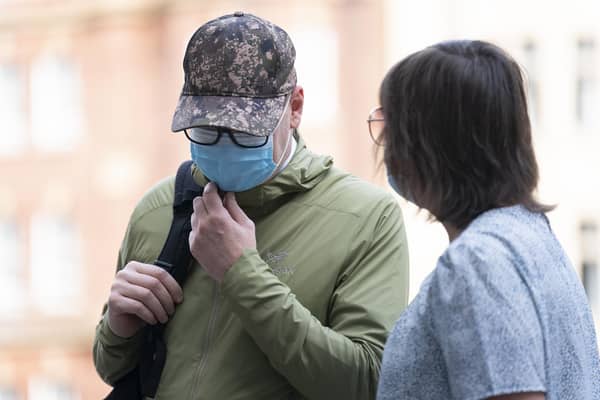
{"points": [[400, 189]]}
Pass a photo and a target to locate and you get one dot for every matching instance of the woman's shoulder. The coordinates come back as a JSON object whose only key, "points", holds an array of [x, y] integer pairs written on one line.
{"points": [[499, 236], [492, 254], [505, 226], [482, 279]]}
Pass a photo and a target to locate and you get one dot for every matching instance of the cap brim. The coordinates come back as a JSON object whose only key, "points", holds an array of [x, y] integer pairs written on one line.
{"points": [[255, 115]]}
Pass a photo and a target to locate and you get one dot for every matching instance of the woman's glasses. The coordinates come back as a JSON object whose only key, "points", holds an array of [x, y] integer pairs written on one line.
{"points": [[376, 123]]}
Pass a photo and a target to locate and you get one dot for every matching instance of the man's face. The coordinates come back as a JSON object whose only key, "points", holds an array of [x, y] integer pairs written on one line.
{"points": [[213, 162]]}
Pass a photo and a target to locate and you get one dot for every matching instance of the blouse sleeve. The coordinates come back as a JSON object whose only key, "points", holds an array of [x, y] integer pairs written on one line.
{"points": [[485, 321]]}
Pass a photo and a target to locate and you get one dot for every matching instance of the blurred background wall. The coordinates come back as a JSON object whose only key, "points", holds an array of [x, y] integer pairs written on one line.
{"points": [[88, 89]]}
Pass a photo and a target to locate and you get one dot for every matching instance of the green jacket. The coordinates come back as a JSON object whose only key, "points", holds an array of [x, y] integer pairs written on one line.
{"points": [[304, 317]]}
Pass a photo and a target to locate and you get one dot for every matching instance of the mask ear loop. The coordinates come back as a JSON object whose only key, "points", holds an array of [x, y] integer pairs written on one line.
{"points": [[287, 143]]}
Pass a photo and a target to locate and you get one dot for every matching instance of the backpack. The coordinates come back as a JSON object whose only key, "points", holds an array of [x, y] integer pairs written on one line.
{"points": [[175, 257]]}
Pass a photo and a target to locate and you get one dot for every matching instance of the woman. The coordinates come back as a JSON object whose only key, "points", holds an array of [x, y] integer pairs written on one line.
{"points": [[503, 315]]}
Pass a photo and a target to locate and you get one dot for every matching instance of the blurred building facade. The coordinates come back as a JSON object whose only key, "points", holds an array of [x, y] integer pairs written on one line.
{"points": [[87, 92], [558, 46]]}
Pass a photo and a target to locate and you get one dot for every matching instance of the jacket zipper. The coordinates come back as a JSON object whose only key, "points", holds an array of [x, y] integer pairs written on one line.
{"points": [[207, 341]]}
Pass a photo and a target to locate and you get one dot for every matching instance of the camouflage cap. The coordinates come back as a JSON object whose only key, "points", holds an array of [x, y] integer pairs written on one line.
{"points": [[239, 70]]}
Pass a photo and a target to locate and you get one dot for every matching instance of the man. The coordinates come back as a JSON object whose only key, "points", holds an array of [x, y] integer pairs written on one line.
{"points": [[300, 270]]}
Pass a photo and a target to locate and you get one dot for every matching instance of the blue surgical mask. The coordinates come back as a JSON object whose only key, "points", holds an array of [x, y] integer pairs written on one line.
{"points": [[406, 194], [234, 168]]}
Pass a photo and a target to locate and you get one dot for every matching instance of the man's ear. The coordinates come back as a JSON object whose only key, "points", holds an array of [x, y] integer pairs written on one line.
{"points": [[297, 105]]}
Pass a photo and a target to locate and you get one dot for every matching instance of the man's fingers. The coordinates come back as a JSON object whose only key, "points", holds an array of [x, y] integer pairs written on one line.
{"points": [[164, 277], [156, 286], [199, 208], [211, 199], [130, 306], [146, 297], [193, 219], [234, 209]]}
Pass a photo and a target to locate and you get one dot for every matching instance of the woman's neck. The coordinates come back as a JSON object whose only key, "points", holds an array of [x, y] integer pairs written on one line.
{"points": [[453, 231]]}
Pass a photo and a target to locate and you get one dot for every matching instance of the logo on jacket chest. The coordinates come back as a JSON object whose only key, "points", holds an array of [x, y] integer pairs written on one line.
{"points": [[278, 261]]}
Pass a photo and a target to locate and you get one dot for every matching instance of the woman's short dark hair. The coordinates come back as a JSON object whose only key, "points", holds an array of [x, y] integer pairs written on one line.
{"points": [[457, 130]]}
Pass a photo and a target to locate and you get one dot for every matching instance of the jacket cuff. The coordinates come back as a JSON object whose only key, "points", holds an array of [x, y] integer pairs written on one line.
{"points": [[241, 271], [110, 339]]}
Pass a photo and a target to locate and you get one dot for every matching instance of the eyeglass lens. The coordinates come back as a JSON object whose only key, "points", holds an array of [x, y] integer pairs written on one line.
{"points": [[210, 136], [376, 124]]}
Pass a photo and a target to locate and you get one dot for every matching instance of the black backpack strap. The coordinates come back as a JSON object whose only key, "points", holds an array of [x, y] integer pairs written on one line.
{"points": [[128, 387], [175, 257]]}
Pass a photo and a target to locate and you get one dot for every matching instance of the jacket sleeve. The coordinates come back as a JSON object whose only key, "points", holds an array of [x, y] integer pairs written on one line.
{"points": [[115, 356], [146, 232], [341, 360]]}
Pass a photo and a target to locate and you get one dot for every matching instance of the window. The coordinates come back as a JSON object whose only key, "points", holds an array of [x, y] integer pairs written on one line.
{"points": [[12, 110], [586, 85], [46, 389], [56, 118], [530, 66], [56, 275], [589, 259], [12, 282]]}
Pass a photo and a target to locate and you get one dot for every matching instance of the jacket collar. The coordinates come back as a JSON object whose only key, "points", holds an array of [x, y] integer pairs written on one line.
{"points": [[304, 171]]}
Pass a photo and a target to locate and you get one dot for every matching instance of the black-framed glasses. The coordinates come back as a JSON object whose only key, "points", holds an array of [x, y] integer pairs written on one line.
{"points": [[210, 135], [376, 123]]}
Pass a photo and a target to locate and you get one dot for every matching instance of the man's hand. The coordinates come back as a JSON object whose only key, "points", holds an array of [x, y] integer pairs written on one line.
{"points": [[220, 232], [141, 293]]}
